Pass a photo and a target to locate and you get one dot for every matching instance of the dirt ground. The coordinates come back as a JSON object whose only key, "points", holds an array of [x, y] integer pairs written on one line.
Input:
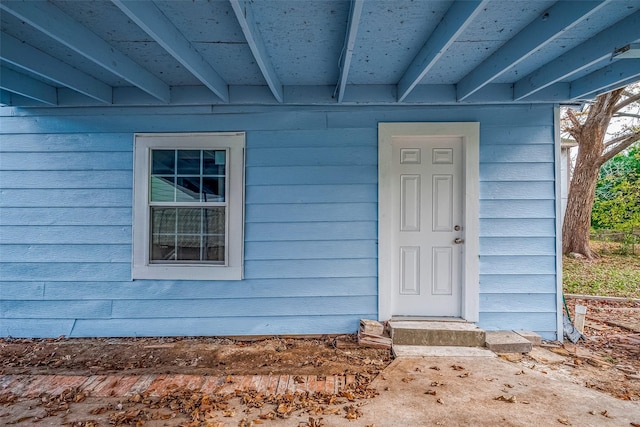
{"points": [[196, 356], [607, 361]]}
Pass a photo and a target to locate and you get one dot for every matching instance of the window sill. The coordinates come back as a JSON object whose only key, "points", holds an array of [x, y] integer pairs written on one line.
{"points": [[187, 272]]}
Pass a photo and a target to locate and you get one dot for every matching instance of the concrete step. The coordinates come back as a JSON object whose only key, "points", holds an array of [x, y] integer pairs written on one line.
{"points": [[507, 342], [436, 333]]}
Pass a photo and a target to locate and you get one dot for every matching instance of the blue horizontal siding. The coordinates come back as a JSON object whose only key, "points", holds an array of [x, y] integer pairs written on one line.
{"points": [[79, 216], [514, 172], [310, 230], [65, 272], [252, 307], [37, 328], [311, 268], [517, 209], [327, 212], [516, 303], [61, 161], [536, 190], [66, 253], [517, 227], [40, 179], [518, 153], [21, 290], [510, 135], [55, 309], [312, 156], [282, 175], [517, 283], [173, 290], [61, 235], [329, 249], [312, 193], [314, 138], [230, 326], [506, 116], [57, 198], [544, 324], [69, 143], [517, 264], [507, 246], [139, 120]]}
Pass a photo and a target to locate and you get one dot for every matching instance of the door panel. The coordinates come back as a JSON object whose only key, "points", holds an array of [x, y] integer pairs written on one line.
{"points": [[426, 221]]}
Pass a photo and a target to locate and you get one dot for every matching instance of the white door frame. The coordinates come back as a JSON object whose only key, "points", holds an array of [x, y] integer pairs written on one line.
{"points": [[470, 134]]}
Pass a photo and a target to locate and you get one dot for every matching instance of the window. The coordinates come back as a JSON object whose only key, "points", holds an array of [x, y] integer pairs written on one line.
{"points": [[188, 206]]}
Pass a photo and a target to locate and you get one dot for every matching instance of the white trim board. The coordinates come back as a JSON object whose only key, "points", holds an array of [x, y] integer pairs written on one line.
{"points": [[470, 134]]}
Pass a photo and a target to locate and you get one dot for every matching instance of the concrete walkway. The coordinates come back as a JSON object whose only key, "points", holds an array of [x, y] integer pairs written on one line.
{"points": [[413, 391]]}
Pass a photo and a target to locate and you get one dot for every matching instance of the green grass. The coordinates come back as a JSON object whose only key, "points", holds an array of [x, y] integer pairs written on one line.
{"points": [[611, 275]]}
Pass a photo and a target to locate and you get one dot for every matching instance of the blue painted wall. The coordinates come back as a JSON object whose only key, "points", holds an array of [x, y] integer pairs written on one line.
{"points": [[311, 221]]}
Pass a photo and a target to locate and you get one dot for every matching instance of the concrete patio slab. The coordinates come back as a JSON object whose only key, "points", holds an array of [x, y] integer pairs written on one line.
{"points": [[440, 351]]}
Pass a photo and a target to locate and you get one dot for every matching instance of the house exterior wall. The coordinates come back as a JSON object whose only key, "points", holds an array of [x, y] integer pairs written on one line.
{"points": [[310, 221]]}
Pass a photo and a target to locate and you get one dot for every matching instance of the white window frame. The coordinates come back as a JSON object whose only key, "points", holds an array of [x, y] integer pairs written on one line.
{"points": [[234, 144]]}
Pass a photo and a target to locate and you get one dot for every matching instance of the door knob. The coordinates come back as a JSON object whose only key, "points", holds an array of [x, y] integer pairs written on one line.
{"points": [[457, 228], [458, 241]]}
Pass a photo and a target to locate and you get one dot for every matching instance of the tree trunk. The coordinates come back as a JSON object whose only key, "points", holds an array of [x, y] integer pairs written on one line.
{"points": [[591, 155], [577, 219]]}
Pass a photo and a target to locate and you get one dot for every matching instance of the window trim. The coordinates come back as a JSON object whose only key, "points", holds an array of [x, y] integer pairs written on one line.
{"points": [[142, 268]]}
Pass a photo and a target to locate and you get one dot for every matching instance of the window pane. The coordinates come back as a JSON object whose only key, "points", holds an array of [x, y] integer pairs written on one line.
{"points": [[162, 188], [163, 162], [188, 189], [188, 234], [213, 162], [213, 189], [214, 248], [188, 162], [163, 234], [213, 241]]}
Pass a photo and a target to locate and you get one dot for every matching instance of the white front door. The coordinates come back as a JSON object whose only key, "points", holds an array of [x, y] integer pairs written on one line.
{"points": [[424, 221], [427, 223]]}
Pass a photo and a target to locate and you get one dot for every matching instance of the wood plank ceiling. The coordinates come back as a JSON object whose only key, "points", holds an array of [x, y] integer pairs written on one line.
{"points": [[306, 52]]}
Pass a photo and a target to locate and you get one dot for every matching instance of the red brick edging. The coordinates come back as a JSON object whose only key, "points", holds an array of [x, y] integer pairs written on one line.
{"points": [[157, 385]]}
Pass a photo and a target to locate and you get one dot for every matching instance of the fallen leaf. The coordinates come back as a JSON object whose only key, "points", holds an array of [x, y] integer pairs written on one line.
{"points": [[431, 392], [457, 367], [436, 384], [502, 398], [407, 379], [564, 421], [605, 414], [440, 401], [353, 413], [464, 375], [520, 372], [435, 368], [312, 423]]}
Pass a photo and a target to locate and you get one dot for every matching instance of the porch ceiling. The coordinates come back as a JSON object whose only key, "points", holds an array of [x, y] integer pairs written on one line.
{"points": [[190, 52]]}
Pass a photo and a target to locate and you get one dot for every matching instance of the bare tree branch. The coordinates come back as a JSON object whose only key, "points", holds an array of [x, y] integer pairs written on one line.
{"points": [[574, 128], [616, 140], [630, 139], [627, 101], [635, 116]]}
